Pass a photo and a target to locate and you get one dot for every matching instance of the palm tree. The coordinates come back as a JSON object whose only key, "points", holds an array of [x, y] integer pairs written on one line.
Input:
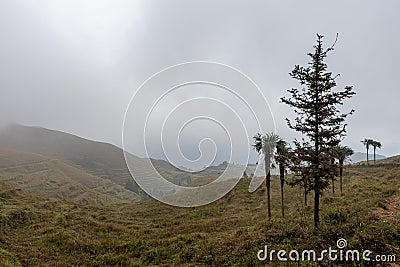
{"points": [[367, 143], [265, 144], [282, 158], [375, 144], [342, 152]]}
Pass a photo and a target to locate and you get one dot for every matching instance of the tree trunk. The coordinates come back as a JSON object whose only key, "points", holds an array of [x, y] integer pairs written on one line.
{"points": [[268, 182], [316, 145], [374, 155], [367, 156], [282, 176], [333, 176], [316, 201], [341, 175], [305, 194], [267, 162], [317, 108]]}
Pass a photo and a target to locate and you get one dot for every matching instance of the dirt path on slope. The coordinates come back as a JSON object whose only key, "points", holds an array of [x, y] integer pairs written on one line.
{"points": [[392, 211], [26, 164]]}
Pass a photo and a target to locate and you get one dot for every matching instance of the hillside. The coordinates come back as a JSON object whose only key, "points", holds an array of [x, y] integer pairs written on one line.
{"points": [[359, 157], [390, 160], [96, 158], [53, 178], [37, 231]]}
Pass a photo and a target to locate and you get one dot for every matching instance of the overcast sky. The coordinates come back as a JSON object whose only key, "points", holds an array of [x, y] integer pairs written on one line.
{"points": [[74, 65]]}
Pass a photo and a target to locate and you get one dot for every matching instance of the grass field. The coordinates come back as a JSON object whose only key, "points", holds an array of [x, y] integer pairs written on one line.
{"points": [[50, 232]]}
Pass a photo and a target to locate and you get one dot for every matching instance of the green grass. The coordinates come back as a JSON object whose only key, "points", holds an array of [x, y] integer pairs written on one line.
{"points": [[7, 259], [42, 232]]}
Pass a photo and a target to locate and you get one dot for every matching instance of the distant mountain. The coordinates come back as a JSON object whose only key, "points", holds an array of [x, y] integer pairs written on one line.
{"points": [[359, 156], [103, 162], [98, 159]]}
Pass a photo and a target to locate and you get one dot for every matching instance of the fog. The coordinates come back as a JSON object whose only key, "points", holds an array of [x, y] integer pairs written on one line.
{"points": [[75, 65]]}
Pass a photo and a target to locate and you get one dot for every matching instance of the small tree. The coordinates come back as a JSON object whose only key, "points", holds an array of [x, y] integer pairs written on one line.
{"points": [[342, 152], [298, 167], [317, 118], [375, 144], [367, 143], [265, 144]]}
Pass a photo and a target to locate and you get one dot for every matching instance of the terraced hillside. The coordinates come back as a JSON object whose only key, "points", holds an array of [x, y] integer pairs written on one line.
{"points": [[53, 178], [96, 158]]}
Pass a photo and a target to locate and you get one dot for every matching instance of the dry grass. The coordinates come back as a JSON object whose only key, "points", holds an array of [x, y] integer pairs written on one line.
{"points": [[48, 232], [53, 178]]}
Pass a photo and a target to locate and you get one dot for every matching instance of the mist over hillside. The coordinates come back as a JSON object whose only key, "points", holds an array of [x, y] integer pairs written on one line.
{"points": [[61, 164]]}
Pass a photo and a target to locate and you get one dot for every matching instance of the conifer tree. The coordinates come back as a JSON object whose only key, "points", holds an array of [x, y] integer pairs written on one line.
{"points": [[318, 119]]}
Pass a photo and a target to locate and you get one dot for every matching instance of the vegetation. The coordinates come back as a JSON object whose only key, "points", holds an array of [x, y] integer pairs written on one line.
{"points": [[37, 231], [53, 178], [318, 119]]}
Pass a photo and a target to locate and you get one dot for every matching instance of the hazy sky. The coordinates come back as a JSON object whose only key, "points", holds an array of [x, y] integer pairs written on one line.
{"points": [[74, 65]]}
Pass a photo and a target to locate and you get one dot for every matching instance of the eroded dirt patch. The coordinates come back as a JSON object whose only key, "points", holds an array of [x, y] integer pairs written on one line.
{"points": [[391, 210]]}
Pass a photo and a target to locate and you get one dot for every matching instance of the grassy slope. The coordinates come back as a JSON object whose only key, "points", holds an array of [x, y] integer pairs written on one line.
{"points": [[37, 231], [52, 178], [392, 160], [97, 158]]}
